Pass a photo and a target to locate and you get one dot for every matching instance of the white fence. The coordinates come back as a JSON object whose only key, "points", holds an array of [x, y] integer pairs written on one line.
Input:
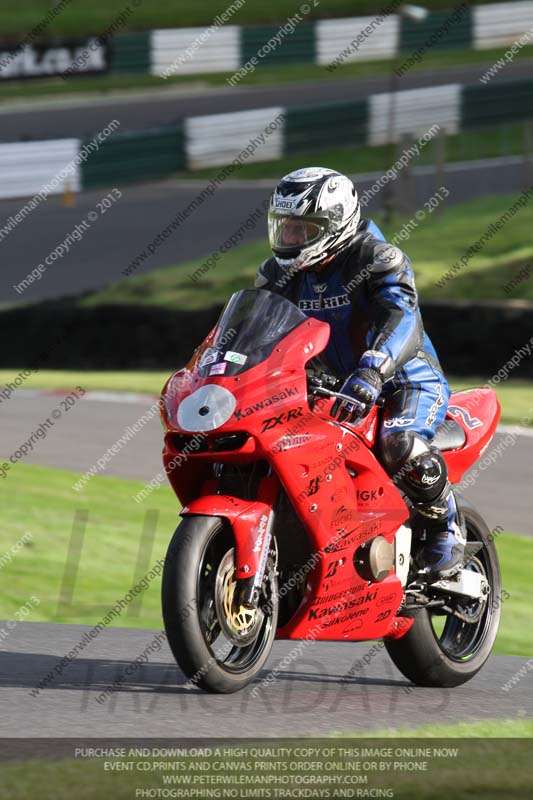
{"points": [[189, 51], [27, 168], [220, 138], [501, 24]]}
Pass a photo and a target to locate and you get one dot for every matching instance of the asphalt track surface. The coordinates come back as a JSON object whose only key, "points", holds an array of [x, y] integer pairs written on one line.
{"points": [[315, 695], [501, 492], [84, 116], [128, 227]]}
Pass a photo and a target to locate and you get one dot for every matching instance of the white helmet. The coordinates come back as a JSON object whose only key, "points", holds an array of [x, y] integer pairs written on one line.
{"points": [[314, 214]]}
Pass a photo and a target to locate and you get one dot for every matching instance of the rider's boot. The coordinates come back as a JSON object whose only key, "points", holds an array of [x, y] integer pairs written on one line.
{"points": [[442, 553]]}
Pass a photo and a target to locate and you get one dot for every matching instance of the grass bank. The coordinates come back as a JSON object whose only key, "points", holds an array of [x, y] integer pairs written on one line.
{"points": [[434, 245], [83, 17]]}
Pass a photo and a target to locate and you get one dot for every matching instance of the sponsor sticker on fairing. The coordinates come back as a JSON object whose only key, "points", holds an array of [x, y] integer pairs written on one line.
{"points": [[235, 358], [218, 369], [208, 358], [258, 544]]}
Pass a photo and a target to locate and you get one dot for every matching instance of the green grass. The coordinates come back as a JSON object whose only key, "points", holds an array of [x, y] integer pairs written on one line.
{"points": [[455, 229], [143, 382], [173, 288], [492, 728], [516, 396], [97, 15], [514, 637], [41, 501]]}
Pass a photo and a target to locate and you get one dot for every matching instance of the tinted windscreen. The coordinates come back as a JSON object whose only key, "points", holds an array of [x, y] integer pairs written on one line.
{"points": [[253, 322]]}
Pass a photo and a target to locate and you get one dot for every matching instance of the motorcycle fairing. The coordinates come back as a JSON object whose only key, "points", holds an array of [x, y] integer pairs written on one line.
{"points": [[478, 412]]}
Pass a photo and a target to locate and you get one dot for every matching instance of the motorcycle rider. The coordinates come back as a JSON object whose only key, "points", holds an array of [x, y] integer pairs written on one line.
{"points": [[336, 266]]}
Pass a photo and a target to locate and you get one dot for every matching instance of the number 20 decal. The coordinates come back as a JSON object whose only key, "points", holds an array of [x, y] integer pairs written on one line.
{"points": [[470, 422]]}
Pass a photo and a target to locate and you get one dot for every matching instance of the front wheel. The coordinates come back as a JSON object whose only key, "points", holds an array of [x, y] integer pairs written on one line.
{"points": [[447, 650], [219, 645]]}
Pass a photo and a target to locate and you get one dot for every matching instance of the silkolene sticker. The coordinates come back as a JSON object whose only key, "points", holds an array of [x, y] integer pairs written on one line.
{"points": [[218, 369], [235, 358]]}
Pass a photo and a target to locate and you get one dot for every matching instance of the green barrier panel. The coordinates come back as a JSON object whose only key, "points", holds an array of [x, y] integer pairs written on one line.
{"points": [[270, 45], [503, 102], [448, 29], [336, 124], [130, 52], [135, 156]]}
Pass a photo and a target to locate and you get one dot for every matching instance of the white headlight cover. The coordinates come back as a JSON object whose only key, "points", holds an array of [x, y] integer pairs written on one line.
{"points": [[206, 409]]}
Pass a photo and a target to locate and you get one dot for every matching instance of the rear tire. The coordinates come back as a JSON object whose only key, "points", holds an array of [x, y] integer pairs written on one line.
{"points": [[458, 652], [199, 562]]}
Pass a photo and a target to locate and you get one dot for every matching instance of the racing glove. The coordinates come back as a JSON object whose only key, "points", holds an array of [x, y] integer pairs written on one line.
{"points": [[362, 388]]}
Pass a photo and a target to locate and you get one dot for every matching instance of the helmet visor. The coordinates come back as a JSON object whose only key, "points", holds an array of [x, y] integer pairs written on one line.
{"points": [[288, 233]]}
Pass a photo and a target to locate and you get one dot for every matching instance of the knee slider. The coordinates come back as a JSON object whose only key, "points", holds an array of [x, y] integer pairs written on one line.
{"points": [[398, 448], [416, 468], [426, 477]]}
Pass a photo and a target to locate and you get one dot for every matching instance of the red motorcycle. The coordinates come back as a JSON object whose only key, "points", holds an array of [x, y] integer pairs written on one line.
{"points": [[291, 527]]}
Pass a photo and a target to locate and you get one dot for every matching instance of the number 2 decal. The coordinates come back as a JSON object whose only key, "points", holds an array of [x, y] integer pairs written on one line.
{"points": [[470, 422]]}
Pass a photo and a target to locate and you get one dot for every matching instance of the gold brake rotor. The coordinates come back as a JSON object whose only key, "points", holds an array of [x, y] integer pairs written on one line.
{"points": [[239, 623]]}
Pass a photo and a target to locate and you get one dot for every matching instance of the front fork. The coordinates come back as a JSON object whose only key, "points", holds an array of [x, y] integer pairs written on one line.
{"points": [[252, 523], [249, 589]]}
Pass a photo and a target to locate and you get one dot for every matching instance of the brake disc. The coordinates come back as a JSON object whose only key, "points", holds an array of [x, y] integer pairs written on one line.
{"points": [[238, 623]]}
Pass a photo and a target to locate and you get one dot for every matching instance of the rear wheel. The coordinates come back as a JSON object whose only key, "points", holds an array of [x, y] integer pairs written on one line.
{"points": [[219, 645], [445, 649]]}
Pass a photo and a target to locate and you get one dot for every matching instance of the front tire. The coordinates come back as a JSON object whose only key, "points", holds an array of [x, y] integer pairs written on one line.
{"points": [[219, 646], [453, 655]]}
